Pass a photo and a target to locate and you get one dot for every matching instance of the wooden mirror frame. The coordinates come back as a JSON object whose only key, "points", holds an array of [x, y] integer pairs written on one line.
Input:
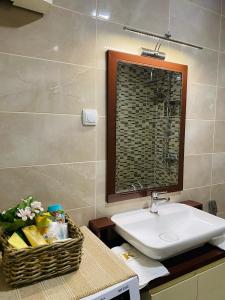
{"points": [[113, 58]]}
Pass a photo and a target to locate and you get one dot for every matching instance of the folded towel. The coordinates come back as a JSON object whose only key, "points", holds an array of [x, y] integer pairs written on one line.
{"points": [[218, 242], [146, 268]]}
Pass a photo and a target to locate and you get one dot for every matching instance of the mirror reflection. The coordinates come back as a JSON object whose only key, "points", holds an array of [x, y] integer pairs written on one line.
{"points": [[148, 114]]}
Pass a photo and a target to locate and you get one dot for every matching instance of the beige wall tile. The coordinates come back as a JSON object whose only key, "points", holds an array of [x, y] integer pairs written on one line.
{"points": [[222, 35], [109, 209], [60, 35], [111, 36], [221, 70], [101, 91], [201, 195], [220, 104], [218, 168], [202, 64], [83, 215], [201, 102], [214, 5], [31, 85], [34, 139], [223, 7], [101, 139], [72, 185], [197, 171], [191, 23], [218, 192], [40, 86], [221, 215], [82, 6], [198, 137], [143, 14], [219, 141], [101, 183]]}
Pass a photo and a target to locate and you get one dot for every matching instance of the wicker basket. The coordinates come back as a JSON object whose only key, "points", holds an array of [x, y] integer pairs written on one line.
{"points": [[26, 266]]}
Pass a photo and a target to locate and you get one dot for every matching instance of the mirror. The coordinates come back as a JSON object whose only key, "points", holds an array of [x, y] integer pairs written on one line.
{"points": [[146, 117]]}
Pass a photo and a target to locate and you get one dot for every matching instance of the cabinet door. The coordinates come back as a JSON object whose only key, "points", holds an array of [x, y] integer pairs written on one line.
{"points": [[211, 284], [185, 290]]}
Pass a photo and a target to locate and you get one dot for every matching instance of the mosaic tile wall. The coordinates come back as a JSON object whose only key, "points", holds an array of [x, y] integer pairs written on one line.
{"points": [[147, 127]]}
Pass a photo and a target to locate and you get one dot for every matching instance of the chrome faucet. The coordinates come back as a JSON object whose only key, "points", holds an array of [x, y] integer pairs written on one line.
{"points": [[155, 199]]}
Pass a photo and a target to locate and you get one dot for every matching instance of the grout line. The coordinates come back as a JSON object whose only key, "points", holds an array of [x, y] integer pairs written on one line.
{"points": [[96, 100], [169, 21], [79, 208], [46, 60], [205, 120], [39, 113], [205, 8], [218, 183], [202, 84], [74, 11], [195, 188], [198, 154], [210, 153], [48, 113], [214, 127], [49, 165]]}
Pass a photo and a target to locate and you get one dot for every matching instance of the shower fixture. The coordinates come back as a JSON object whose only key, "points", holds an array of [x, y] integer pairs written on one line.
{"points": [[166, 37]]}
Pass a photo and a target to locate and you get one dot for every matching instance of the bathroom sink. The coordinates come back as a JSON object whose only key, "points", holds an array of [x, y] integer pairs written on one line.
{"points": [[176, 228]]}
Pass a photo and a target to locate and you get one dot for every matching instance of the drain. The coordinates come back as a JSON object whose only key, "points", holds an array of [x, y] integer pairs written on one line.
{"points": [[169, 236]]}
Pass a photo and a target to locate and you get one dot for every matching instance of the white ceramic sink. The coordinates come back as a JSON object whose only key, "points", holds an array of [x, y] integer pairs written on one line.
{"points": [[176, 228]]}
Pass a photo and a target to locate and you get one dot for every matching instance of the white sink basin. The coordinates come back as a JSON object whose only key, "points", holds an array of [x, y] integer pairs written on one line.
{"points": [[177, 228]]}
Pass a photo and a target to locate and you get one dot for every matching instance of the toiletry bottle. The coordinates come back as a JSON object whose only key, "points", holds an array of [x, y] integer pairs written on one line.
{"points": [[57, 211]]}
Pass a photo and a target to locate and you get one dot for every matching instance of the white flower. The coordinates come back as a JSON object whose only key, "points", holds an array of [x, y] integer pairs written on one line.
{"points": [[25, 213], [36, 207], [3, 213]]}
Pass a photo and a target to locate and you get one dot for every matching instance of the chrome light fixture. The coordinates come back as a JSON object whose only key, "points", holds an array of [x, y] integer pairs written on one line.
{"points": [[166, 37]]}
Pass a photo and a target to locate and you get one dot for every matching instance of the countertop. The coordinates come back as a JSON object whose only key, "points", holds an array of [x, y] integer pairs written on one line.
{"points": [[99, 269]]}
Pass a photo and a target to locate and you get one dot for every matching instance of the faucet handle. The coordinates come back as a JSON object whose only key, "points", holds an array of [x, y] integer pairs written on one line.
{"points": [[155, 195]]}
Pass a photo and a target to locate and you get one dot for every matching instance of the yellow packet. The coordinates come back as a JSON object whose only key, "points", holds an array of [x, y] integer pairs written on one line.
{"points": [[34, 236], [17, 242], [43, 222]]}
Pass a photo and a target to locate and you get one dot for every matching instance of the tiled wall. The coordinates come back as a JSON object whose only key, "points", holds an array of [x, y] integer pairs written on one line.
{"points": [[147, 127], [53, 66]]}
